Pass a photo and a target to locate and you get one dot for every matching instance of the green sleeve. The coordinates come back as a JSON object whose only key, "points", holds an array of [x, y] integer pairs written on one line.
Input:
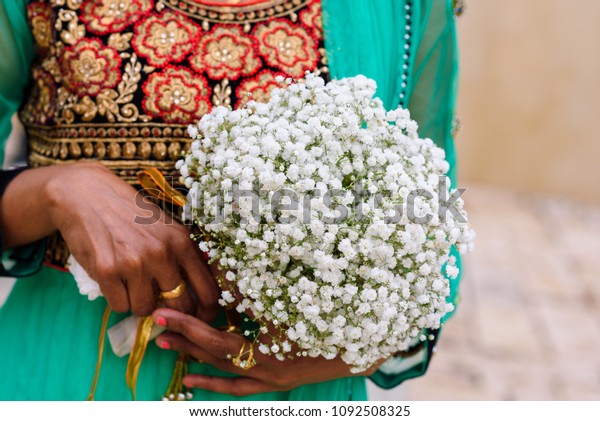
{"points": [[16, 55], [434, 75], [433, 88], [370, 38]]}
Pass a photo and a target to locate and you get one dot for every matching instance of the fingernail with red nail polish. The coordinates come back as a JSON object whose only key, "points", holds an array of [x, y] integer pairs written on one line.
{"points": [[163, 345], [161, 321]]}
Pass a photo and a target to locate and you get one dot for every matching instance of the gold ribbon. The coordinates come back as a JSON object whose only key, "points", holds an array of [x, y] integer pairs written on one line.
{"points": [[155, 183], [142, 337], [101, 341]]}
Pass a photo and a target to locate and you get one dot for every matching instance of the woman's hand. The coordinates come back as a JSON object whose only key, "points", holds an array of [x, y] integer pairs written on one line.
{"points": [[212, 346], [98, 215]]}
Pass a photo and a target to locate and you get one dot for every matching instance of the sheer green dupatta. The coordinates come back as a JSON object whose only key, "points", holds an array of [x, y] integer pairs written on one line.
{"points": [[409, 47], [16, 54]]}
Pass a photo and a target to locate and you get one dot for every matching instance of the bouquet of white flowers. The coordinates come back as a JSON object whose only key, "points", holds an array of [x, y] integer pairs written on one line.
{"points": [[331, 219]]}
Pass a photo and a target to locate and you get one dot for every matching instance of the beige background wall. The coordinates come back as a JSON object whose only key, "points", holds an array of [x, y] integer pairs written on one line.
{"points": [[530, 95]]}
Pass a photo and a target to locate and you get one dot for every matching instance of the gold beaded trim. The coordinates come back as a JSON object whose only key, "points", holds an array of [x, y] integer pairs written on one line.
{"points": [[125, 149], [235, 14]]}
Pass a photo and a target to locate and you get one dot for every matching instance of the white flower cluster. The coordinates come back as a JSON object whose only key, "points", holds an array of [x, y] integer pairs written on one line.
{"points": [[313, 240]]}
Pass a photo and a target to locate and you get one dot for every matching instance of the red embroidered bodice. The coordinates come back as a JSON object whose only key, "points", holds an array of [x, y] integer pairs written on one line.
{"points": [[119, 80]]}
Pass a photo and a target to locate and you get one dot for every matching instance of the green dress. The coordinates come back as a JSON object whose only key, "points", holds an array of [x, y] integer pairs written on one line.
{"points": [[50, 332]]}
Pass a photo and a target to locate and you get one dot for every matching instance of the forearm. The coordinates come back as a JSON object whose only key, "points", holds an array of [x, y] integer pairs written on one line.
{"points": [[25, 207]]}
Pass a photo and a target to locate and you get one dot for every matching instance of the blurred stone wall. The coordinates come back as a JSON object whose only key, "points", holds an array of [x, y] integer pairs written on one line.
{"points": [[529, 98]]}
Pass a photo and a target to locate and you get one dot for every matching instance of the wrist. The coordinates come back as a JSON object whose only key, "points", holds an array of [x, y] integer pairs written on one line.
{"points": [[27, 207], [63, 190]]}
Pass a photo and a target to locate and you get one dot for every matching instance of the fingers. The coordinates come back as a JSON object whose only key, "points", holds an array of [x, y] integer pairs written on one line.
{"points": [[224, 362], [205, 287], [203, 342], [265, 374], [214, 342], [207, 344], [155, 251], [171, 282], [140, 293], [112, 285], [115, 292], [203, 283], [240, 386], [176, 342]]}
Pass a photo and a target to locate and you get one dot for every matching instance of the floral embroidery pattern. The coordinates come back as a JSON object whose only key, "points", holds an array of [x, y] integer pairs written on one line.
{"points": [[44, 109], [312, 18], [176, 95], [105, 16], [89, 67], [165, 38], [226, 53], [287, 46], [40, 15], [121, 79], [258, 88]]}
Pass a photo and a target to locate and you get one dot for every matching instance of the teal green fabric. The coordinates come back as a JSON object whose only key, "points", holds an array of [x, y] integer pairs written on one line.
{"points": [[368, 37], [51, 344], [16, 54], [53, 330], [23, 261]]}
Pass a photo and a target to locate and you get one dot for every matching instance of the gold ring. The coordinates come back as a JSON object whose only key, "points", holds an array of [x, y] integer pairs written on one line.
{"points": [[244, 363], [174, 293], [230, 329]]}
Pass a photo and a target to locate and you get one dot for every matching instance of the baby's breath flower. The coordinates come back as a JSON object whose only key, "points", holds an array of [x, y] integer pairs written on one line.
{"points": [[320, 242]]}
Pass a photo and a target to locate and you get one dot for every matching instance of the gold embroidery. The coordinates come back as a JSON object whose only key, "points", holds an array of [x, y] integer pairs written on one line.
{"points": [[110, 144], [288, 47], [115, 105], [118, 105], [107, 16], [72, 4], [40, 108], [120, 42], [50, 65], [165, 38], [40, 16], [226, 53], [176, 95], [257, 89], [243, 12], [90, 86], [313, 18], [73, 31], [222, 94], [90, 67], [86, 108]]}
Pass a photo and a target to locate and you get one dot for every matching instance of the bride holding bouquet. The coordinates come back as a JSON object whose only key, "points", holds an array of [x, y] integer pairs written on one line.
{"points": [[106, 89]]}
